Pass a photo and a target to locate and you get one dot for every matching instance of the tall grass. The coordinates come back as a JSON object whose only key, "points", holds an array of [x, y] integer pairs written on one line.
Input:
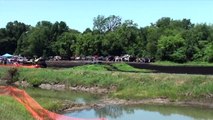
{"points": [[3, 72], [130, 85], [57, 100], [10, 109]]}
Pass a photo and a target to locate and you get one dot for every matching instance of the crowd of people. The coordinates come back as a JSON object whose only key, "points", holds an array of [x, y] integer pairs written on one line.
{"points": [[19, 60], [41, 62], [124, 58]]}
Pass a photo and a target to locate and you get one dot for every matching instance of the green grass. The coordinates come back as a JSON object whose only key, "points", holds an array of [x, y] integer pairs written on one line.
{"points": [[57, 100], [130, 85], [3, 71], [10, 109], [119, 67], [93, 67]]}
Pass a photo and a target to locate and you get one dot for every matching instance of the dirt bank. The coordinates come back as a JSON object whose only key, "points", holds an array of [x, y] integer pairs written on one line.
{"points": [[93, 89], [206, 102], [158, 101]]}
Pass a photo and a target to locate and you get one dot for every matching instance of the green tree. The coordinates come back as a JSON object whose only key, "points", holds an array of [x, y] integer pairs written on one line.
{"points": [[128, 35], [4, 42], [208, 52], [35, 42], [10, 35], [89, 44], [65, 44], [152, 36], [169, 47], [163, 22], [111, 44], [103, 24]]}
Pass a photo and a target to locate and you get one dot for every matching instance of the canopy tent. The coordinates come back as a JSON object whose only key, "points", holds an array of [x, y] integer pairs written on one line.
{"points": [[7, 55]]}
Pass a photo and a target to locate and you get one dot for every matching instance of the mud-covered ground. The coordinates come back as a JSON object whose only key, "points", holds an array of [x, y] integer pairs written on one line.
{"points": [[205, 70]]}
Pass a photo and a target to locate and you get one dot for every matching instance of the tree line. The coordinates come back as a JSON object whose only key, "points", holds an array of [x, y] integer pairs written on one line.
{"points": [[166, 40]]}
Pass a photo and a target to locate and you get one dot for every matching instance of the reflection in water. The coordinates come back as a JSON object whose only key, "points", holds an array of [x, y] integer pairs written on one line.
{"points": [[114, 111], [144, 112], [77, 97], [193, 112]]}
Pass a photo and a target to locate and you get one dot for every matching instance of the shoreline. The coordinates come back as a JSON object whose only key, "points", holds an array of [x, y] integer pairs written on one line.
{"points": [[203, 102], [158, 101]]}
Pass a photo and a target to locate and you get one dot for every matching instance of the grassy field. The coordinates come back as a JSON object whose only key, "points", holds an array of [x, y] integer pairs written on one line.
{"points": [[131, 83]]}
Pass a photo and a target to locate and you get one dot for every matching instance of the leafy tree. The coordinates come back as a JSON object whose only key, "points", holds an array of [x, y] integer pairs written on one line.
{"points": [[163, 22], [88, 30], [142, 43], [39, 40], [179, 55], [112, 22], [128, 34], [65, 44], [103, 24], [167, 39], [112, 44], [10, 35], [186, 24], [99, 23], [4, 41], [89, 44], [208, 52], [152, 36], [167, 46], [36, 40]]}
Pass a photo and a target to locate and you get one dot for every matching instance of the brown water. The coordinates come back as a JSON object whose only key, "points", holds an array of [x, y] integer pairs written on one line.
{"points": [[137, 112]]}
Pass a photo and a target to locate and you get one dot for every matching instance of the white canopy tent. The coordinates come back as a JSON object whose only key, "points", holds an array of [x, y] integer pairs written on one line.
{"points": [[7, 55]]}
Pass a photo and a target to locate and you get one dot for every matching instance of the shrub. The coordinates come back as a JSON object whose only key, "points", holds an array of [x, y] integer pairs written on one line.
{"points": [[12, 75]]}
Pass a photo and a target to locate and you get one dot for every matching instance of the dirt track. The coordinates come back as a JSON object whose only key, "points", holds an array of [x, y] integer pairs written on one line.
{"points": [[157, 68], [176, 69]]}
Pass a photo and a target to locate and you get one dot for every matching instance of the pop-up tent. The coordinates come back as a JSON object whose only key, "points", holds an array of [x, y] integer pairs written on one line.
{"points": [[7, 55]]}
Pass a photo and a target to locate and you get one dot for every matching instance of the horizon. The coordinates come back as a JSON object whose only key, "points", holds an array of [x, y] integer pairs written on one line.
{"points": [[79, 14]]}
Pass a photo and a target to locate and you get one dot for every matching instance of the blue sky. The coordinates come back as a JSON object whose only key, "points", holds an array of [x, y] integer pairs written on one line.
{"points": [[79, 14]]}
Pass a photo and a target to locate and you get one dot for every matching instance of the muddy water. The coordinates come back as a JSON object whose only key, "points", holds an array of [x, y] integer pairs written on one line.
{"points": [[146, 112], [117, 112]]}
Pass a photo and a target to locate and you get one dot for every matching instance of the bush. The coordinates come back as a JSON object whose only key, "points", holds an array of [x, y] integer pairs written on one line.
{"points": [[209, 53], [179, 56], [12, 75]]}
